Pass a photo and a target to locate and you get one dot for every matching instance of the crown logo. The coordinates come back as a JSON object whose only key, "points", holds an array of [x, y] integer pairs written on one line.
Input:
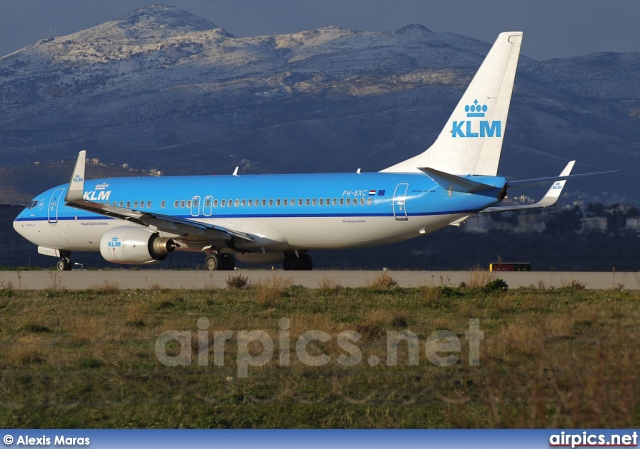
{"points": [[102, 186], [475, 109]]}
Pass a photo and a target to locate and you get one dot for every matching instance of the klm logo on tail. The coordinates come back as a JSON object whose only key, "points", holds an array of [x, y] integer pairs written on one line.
{"points": [[476, 128]]}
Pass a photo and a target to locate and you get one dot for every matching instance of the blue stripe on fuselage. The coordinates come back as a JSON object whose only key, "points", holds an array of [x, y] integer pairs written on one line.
{"points": [[423, 196]]}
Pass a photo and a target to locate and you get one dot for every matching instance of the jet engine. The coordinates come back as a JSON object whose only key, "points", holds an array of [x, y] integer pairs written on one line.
{"points": [[133, 245]]}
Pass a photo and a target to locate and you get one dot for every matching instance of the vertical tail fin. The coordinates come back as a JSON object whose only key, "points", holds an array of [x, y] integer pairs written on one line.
{"points": [[471, 141]]}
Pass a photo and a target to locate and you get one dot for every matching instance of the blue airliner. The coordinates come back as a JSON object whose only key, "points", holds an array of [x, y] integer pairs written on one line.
{"points": [[279, 218]]}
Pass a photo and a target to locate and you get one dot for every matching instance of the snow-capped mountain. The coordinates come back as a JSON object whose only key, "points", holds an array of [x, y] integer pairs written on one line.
{"points": [[163, 88]]}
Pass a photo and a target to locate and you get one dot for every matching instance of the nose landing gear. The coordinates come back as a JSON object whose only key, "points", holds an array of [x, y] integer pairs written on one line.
{"points": [[64, 263]]}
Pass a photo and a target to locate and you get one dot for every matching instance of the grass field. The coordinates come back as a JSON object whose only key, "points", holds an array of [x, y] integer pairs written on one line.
{"points": [[549, 358]]}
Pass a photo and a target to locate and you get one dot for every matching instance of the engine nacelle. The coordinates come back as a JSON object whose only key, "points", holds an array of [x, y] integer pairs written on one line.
{"points": [[260, 257], [133, 245]]}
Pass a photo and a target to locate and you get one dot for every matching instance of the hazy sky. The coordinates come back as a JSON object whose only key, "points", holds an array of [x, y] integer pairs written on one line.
{"points": [[553, 28]]}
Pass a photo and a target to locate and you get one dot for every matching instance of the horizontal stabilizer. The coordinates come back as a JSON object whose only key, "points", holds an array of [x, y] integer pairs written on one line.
{"points": [[531, 182], [452, 182]]}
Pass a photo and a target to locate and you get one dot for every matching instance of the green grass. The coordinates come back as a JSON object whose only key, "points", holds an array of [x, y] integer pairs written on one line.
{"points": [[550, 358]]}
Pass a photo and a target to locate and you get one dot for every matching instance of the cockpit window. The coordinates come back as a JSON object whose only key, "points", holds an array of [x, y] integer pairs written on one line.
{"points": [[33, 204]]}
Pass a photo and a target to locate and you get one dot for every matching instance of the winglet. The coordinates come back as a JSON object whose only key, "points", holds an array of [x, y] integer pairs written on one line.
{"points": [[552, 195], [76, 184]]}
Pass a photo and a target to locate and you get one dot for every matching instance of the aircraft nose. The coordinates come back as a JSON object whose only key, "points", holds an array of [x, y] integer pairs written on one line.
{"points": [[18, 226]]}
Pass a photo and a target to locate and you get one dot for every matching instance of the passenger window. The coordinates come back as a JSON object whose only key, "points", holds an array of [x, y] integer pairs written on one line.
{"points": [[285, 202], [244, 203], [250, 203], [293, 201], [313, 202], [182, 203], [321, 202], [369, 201], [257, 203], [237, 203], [278, 202], [128, 204], [230, 203], [328, 201], [121, 203], [215, 203], [271, 202], [306, 202], [264, 202], [342, 201], [189, 203], [300, 202], [362, 201], [135, 204], [141, 204], [163, 203], [223, 203], [175, 203], [333, 203], [207, 202]]}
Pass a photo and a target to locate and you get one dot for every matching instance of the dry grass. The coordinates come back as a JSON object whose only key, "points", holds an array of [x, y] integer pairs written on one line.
{"points": [[383, 281], [479, 278], [328, 283], [549, 358], [106, 287], [268, 293], [237, 281]]}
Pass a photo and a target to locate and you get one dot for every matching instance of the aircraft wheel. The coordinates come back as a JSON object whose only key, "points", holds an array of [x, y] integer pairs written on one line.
{"points": [[227, 262], [290, 262], [306, 262], [211, 262], [63, 264]]}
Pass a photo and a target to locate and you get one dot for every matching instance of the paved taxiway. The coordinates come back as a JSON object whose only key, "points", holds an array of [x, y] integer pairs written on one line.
{"points": [[132, 279]]}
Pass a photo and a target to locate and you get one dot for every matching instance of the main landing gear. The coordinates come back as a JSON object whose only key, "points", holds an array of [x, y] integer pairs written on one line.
{"points": [[297, 262], [215, 262]]}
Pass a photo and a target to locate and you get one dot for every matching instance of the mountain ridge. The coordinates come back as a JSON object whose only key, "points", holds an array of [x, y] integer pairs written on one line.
{"points": [[163, 88]]}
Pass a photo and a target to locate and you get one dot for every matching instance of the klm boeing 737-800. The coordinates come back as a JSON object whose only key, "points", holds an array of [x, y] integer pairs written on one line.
{"points": [[261, 219]]}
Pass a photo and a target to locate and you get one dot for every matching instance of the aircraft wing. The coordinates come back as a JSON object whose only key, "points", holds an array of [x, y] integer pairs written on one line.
{"points": [[189, 229]]}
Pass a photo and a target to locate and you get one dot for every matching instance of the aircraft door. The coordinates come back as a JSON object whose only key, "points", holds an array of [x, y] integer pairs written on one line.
{"points": [[54, 201], [399, 202], [207, 208], [195, 206]]}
